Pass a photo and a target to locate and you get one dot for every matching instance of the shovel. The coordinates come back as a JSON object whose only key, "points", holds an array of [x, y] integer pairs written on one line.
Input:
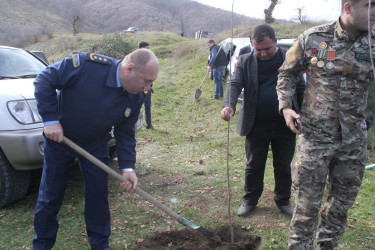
{"points": [[198, 92], [185, 222]]}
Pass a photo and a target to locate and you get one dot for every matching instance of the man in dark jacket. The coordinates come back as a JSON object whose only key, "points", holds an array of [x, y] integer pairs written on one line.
{"points": [[260, 121], [217, 63], [146, 45]]}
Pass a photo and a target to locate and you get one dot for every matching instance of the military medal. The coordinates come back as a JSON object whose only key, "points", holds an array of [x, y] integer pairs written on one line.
{"points": [[331, 56], [314, 51], [323, 45], [314, 60], [320, 64], [330, 65], [127, 112], [322, 53]]}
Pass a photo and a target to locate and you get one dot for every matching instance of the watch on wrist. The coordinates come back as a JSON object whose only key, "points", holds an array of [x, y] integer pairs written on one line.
{"points": [[127, 170]]}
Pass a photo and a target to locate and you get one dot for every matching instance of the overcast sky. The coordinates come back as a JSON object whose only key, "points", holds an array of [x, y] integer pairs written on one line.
{"points": [[315, 10]]}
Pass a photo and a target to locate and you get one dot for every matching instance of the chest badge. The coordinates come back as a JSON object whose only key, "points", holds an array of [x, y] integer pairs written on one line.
{"points": [[314, 60], [331, 57], [127, 112], [323, 45]]}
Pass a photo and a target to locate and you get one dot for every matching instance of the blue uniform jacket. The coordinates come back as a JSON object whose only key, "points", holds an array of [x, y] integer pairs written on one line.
{"points": [[89, 103]]}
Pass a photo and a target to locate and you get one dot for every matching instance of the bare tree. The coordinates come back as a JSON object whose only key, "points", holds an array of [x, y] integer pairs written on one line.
{"points": [[301, 17], [268, 12], [45, 27], [182, 26], [74, 12]]}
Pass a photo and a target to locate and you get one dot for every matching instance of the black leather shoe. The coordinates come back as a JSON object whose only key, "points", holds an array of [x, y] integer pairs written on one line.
{"points": [[108, 248], [150, 127], [245, 210], [214, 98], [287, 210]]}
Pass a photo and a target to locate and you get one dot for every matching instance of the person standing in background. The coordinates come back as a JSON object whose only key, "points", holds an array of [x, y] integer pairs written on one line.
{"points": [[146, 45], [217, 63]]}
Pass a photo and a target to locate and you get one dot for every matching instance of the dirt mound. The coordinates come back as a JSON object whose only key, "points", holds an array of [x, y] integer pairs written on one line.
{"points": [[192, 239]]}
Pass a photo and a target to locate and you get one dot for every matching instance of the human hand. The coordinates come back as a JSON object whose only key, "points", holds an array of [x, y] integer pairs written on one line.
{"points": [[208, 68], [54, 132], [132, 182], [292, 119], [227, 113]]}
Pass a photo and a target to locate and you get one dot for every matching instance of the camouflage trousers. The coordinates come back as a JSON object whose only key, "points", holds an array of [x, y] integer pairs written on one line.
{"points": [[319, 164]]}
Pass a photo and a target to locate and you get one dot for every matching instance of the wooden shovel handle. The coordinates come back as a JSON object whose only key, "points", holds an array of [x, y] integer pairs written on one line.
{"points": [[113, 173]]}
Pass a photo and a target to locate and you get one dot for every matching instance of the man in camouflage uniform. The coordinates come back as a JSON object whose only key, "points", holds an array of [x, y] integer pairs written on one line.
{"points": [[332, 138]]}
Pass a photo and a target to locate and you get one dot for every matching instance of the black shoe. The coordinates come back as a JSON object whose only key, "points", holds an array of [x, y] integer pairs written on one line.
{"points": [[108, 248], [245, 210], [287, 210], [214, 98], [150, 127]]}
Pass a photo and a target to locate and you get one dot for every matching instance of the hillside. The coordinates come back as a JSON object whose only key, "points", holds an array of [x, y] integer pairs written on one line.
{"points": [[26, 21]]}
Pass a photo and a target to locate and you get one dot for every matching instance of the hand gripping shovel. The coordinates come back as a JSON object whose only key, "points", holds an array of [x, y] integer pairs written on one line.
{"points": [[198, 92], [142, 193]]}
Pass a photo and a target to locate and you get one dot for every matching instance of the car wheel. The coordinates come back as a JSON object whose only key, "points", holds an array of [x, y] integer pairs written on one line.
{"points": [[13, 183]]}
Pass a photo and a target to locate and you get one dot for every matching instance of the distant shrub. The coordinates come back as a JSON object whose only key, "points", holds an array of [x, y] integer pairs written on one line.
{"points": [[112, 45], [162, 51], [33, 39]]}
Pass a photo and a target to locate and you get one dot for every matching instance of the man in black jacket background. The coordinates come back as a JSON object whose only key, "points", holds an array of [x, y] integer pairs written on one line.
{"points": [[259, 120], [217, 63]]}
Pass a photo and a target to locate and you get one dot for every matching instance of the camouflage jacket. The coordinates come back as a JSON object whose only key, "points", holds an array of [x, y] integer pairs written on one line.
{"points": [[338, 71]]}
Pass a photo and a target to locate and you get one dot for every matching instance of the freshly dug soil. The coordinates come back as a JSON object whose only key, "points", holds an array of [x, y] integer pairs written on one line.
{"points": [[191, 239]]}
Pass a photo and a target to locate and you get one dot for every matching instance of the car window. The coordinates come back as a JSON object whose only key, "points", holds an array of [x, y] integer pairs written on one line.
{"points": [[17, 63]]}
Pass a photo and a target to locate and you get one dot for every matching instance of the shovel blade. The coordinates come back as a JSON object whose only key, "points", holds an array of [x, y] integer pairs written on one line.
{"points": [[198, 93], [209, 234]]}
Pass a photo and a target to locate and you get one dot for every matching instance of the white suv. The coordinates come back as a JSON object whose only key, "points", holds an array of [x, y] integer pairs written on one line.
{"points": [[21, 127], [238, 43]]}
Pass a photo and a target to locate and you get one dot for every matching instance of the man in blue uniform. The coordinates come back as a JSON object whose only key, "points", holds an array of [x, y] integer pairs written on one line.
{"points": [[83, 97]]}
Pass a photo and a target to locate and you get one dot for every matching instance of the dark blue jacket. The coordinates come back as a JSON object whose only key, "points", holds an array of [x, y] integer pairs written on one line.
{"points": [[89, 103], [217, 57]]}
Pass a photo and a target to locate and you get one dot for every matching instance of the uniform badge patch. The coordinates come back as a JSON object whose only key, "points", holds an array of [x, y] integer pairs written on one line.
{"points": [[127, 112], [75, 59]]}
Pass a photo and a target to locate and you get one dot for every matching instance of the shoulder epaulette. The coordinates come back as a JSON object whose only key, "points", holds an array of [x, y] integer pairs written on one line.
{"points": [[99, 58]]}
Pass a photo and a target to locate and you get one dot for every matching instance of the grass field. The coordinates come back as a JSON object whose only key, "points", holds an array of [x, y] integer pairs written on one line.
{"points": [[184, 165]]}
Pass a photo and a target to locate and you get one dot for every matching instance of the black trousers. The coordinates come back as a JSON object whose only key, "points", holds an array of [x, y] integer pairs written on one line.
{"points": [[148, 107], [283, 142]]}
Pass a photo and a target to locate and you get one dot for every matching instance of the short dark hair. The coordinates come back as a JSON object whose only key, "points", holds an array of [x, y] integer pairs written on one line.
{"points": [[211, 41], [262, 31], [143, 44]]}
